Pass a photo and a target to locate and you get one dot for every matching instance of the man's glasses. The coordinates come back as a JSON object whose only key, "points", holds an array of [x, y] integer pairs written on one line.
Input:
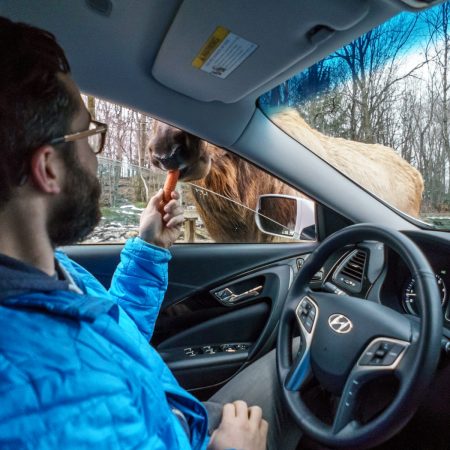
{"points": [[96, 135]]}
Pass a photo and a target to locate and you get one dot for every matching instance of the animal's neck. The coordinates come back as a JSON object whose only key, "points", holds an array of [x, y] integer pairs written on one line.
{"points": [[220, 199]]}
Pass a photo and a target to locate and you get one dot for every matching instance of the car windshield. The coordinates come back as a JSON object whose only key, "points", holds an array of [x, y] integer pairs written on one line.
{"points": [[378, 111]]}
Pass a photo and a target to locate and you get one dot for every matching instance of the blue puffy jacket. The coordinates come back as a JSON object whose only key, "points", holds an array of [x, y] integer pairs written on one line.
{"points": [[76, 369]]}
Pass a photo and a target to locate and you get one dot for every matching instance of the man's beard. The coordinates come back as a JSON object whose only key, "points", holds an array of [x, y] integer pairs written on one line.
{"points": [[78, 210]]}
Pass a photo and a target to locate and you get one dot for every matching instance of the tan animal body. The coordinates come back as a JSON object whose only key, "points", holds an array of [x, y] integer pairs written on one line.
{"points": [[375, 167]]}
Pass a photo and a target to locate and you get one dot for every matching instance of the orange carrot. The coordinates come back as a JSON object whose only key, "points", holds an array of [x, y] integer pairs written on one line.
{"points": [[169, 187]]}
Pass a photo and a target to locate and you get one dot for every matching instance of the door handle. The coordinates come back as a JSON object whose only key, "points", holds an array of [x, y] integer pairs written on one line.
{"points": [[228, 297]]}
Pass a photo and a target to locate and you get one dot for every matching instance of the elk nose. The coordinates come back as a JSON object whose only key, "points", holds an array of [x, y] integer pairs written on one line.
{"points": [[172, 160]]}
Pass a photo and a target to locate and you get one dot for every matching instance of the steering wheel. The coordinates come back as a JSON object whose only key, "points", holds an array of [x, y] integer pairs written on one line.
{"points": [[347, 342]]}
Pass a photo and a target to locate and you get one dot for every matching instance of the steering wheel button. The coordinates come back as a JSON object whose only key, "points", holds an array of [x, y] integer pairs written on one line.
{"points": [[367, 356], [392, 355], [308, 325], [349, 401], [386, 346], [376, 362], [389, 359], [397, 349]]}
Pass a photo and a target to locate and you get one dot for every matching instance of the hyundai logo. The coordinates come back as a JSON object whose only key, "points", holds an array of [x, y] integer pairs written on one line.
{"points": [[339, 323]]}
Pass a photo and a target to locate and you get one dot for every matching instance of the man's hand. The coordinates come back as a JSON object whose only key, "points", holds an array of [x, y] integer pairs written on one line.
{"points": [[241, 428], [161, 230]]}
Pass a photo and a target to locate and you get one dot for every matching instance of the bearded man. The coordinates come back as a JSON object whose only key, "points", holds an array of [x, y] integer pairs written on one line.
{"points": [[76, 367]]}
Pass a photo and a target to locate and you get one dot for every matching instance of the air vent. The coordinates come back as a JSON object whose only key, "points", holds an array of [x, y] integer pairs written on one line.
{"points": [[350, 273], [354, 267]]}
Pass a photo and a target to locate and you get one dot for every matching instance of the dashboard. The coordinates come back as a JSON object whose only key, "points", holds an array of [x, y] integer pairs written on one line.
{"points": [[399, 291], [376, 273]]}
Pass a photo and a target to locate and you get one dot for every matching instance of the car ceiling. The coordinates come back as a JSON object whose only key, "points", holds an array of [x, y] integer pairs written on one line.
{"points": [[141, 53]]}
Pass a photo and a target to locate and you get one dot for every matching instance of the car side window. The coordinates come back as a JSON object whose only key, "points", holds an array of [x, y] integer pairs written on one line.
{"points": [[221, 206]]}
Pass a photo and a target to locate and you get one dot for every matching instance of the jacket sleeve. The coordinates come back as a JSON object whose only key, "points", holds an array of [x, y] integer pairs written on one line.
{"points": [[140, 282]]}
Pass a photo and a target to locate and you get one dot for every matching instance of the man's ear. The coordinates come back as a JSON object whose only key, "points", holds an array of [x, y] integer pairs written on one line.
{"points": [[46, 170]]}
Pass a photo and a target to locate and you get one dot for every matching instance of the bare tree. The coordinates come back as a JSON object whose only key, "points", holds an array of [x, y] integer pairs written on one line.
{"points": [[439, 47]]}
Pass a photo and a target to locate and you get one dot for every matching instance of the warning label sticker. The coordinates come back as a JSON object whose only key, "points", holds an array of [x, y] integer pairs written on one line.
{"points": [[223, 52]]}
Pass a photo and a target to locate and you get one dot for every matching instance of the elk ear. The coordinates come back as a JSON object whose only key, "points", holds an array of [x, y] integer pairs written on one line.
{"points": [[46, 170]]}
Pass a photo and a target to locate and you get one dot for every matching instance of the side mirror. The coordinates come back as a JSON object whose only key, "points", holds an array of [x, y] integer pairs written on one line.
{"points": [[286, 216]]}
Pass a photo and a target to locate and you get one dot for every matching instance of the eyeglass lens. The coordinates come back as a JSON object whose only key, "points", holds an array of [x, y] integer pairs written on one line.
{"points": [[96, 141]]}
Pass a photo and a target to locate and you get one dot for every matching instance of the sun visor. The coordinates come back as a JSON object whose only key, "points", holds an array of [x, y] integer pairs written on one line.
{"points": [[223, 50]]}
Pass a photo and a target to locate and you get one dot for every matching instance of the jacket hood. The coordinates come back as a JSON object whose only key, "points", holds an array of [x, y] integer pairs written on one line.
{"points": [[17, 278]]}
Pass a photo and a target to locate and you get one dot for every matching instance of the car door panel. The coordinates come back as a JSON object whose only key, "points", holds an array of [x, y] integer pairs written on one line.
{"points": [[193, 318], [237, 333], [198, 266]]}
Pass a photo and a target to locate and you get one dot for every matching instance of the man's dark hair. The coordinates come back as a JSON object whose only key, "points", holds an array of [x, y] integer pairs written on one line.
{"points": [[35, 105]]}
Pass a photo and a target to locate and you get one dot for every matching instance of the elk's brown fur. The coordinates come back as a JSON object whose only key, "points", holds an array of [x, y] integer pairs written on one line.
{"points": [[227, 221]]}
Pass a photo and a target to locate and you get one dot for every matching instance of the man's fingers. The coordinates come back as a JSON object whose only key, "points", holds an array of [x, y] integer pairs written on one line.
{"points": [[173, 214], [264, 426], [175, 210], [174, 222], [241, 408], [213, 435], [228, 412], [172, 205], [255, 414], [241, 427], [175, 195], [156, 200]]}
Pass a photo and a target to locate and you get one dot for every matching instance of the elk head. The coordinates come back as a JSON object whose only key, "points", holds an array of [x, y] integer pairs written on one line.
{"points": [[171, 148]]}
